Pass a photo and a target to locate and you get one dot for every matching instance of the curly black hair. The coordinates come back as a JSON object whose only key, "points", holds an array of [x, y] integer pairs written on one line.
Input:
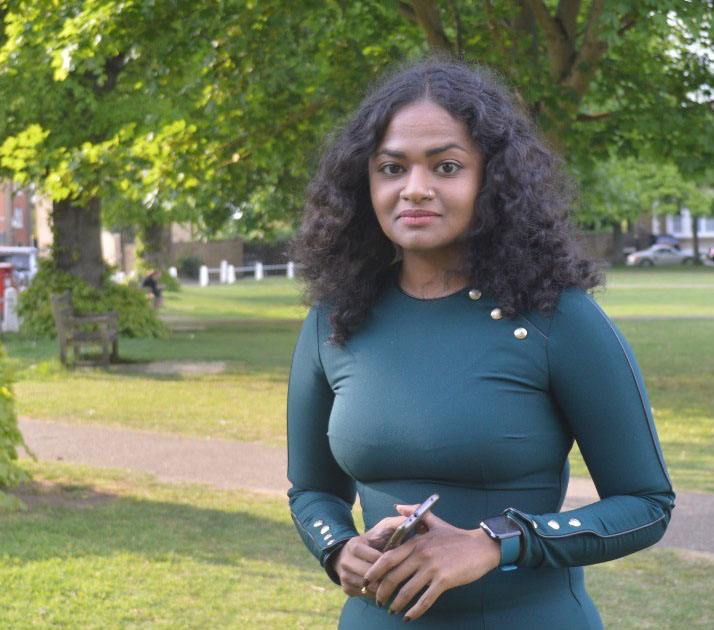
{"points": [[521, 247]]}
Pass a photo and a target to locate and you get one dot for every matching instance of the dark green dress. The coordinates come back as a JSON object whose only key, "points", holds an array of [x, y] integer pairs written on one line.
{"points": [[442, 396]]}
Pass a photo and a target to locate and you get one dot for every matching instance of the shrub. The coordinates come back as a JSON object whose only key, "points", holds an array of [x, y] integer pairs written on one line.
{"points": [[189, 266], [10, 438], [169, 282], [137, 317]]}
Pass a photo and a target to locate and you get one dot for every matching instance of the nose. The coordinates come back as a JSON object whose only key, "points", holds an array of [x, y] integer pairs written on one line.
{"points": [[416, 187]]}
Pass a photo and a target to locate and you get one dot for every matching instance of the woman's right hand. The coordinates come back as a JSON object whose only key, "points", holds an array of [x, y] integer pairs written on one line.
{"points": [[352, 562], [360, 553]]}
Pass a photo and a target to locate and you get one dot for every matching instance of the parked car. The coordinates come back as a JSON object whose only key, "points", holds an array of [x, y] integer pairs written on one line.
{"points": [[24, 261], [660, 255]]}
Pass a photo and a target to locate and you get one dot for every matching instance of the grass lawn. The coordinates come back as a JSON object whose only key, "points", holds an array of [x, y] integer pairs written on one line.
{"points": [[247, 401], [106, 550], [272, 298]]}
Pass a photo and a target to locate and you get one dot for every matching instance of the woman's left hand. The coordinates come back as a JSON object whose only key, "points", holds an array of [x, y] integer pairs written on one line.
{"points": [[442, 558]]}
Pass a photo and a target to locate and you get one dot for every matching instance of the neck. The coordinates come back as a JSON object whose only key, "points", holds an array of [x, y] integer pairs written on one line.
{"points": [[429, 276]]}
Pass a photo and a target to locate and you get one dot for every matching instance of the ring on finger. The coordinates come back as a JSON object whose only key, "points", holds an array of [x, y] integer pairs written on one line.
{"points": [[364, 591]]}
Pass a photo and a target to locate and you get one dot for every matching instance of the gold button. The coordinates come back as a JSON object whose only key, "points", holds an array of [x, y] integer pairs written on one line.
{"points": [[553, 524], [317, 524], [520, 333], [496, 313], [327, 537], [325, 529], [475, 294], [330, 542], [574, 522]]}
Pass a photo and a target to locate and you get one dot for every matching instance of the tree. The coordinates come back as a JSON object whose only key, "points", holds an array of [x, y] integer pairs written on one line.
{"points": [[667, 192], [157, 110]]}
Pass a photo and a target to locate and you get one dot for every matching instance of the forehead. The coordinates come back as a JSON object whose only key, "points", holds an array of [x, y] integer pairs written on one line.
{"points": [[424, 123]]}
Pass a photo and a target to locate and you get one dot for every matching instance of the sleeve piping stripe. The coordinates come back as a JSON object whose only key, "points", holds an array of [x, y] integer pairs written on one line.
{"points": [[302, 527], [599, 535], [639, 391], [584, 531]]}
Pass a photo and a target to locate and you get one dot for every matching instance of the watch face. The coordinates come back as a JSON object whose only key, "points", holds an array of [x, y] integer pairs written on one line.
{"points": [[502, 526]]}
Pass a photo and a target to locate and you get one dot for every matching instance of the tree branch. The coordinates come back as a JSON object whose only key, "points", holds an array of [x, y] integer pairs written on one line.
{"points": [[560, 48], [488, 8], [567, 15], [459, 28], [427, 15], [592, 50], [406, 11], [591, 117]]}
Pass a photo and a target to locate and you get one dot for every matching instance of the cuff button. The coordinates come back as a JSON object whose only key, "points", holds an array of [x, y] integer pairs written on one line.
{"points": [[317, 524], [553, 524], [574, 522], [325, 529]]}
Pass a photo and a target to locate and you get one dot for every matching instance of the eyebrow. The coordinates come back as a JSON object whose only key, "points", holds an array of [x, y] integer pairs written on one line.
{"points": [[428, 153]]}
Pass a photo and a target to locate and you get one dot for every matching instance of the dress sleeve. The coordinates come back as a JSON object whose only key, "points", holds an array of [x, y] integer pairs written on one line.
{"points": [[322, 494], [600, 392]]}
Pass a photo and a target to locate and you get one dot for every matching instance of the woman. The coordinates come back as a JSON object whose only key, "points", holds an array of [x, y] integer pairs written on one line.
{"points": [[452, 348]]}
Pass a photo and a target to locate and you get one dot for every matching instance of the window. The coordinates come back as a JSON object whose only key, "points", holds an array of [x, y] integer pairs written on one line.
{"points": [[17, 218]]}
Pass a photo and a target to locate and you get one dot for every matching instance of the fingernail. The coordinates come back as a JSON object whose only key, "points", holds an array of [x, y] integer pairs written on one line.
{"points": [[378, 603], [390, 611], [365, 582], [407, 618]]}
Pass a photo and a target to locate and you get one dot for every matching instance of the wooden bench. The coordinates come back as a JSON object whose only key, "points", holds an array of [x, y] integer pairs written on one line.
{"points": [[77, 331]]}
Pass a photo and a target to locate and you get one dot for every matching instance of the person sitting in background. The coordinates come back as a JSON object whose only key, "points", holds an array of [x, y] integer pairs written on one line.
{"points": [[151, 282]]}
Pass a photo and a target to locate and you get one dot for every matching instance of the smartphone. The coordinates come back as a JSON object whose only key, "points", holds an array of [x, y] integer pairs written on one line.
{"points": [[412, 521]]}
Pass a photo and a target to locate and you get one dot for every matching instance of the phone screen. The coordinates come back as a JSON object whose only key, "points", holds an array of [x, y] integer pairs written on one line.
{"points": [[410, 523]]}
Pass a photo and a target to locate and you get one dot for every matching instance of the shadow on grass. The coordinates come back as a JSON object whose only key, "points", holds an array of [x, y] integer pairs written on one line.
{"points": [[152, 529]]}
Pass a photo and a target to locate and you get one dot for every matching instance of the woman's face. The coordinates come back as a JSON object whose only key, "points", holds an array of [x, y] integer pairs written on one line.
{"points": [[424, 178]]}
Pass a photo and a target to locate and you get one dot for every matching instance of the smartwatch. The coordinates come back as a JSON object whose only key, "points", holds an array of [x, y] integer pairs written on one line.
{"points": [[508, 533]]}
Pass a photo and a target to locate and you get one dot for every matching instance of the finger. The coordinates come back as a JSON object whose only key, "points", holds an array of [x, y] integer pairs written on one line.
{"points": [[366, 553], [429, 519], [406, 510], [399, 575], [425, 601], [357, 567], [388, 561], [409, 590], [352, 585]]}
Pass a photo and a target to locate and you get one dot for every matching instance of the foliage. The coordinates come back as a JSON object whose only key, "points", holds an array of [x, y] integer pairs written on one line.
{"points": [[618, 189], [137, 317], [189, 266], [169, 282], [10, 438], [204, 110]]}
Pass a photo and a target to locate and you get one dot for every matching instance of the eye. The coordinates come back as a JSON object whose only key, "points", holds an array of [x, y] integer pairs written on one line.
{"points": [[448, 168], [390, 168]]}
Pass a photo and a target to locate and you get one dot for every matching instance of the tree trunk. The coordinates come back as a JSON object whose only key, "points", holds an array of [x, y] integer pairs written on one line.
{"points": [[695, 239], [618, 257], [155, 245], [77, 240]]}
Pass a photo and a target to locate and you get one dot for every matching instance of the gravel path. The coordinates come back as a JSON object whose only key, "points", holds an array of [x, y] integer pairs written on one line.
{"points": [[233, 464]]}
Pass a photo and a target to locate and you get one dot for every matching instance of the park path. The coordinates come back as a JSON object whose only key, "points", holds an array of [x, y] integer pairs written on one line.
{"points": [[233, 464]]}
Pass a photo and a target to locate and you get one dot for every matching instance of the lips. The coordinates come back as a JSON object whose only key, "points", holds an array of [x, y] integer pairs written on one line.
{"points": [[416, 214], [417, 217]]}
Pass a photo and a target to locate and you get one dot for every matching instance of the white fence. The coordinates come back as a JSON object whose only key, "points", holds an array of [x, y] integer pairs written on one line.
{"points": [[227, 273]]}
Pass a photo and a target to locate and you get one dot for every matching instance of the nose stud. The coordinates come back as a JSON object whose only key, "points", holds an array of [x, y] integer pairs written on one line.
{"points": [[417, 197]]}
